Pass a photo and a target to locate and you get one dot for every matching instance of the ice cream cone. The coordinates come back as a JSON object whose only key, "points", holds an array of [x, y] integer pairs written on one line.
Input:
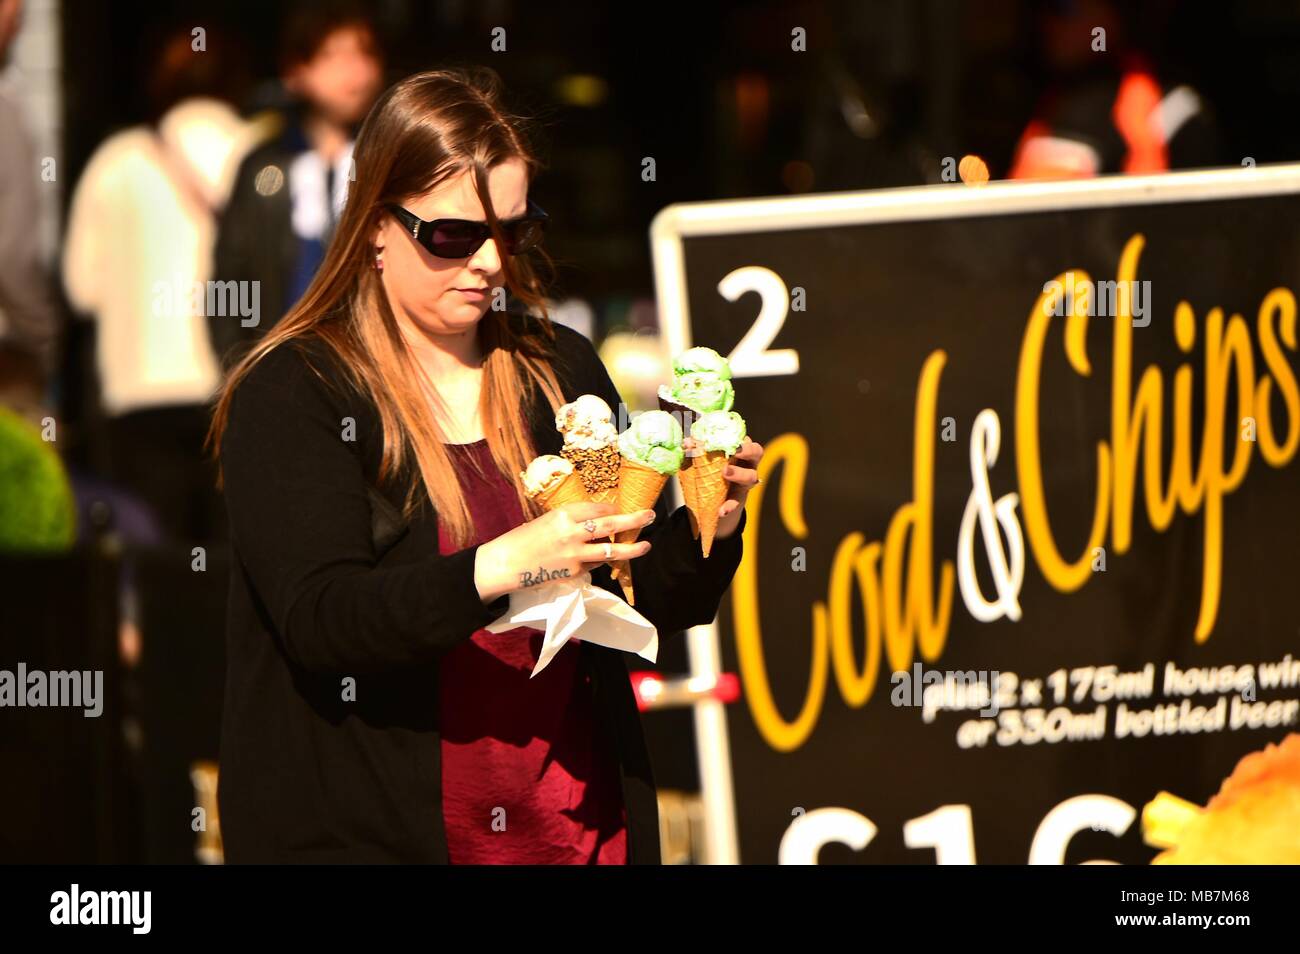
{"points": [[705, 490], [566, 491], [625, 581], [605, 495], [639, 487], [599, 470]]}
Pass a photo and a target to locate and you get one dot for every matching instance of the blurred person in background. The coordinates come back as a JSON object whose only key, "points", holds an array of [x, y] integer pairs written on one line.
{"points": [[29, 318], [137, 259], [289, 191], [1105, 110]]}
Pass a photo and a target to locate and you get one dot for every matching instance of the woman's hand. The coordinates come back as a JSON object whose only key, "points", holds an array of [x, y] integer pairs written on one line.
{"points": [[742, 475], [557, 543]]}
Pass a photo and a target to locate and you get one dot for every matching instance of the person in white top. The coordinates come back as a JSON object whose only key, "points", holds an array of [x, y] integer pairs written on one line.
{"points": [[139, 239], [137, 259]]}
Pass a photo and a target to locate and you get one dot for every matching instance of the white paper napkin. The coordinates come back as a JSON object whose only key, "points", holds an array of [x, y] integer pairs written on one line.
{"points": [[575, 608]]}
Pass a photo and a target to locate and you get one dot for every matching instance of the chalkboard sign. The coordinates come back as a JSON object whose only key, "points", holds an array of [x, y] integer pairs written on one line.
{"points": [[1025, 550]]}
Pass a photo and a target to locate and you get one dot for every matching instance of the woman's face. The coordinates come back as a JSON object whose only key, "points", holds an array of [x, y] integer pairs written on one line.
{"points": [[445, 295]]}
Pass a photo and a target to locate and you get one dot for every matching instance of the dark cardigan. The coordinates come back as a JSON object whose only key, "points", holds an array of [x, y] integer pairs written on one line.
{"points": [[339, 612]]}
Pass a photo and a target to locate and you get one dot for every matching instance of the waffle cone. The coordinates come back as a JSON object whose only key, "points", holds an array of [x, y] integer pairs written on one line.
{"points": [[607, 495], [567, 491], [604, 495], [598, 469], [625, 581], [639, 487], [705, 490]]}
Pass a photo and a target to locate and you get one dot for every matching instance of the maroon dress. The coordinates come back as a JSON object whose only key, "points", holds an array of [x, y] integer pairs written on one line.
{"points": [[525, 776]]}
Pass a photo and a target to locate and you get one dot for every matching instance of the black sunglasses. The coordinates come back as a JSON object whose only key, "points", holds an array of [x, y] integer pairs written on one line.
{"points": [[460, 238]]}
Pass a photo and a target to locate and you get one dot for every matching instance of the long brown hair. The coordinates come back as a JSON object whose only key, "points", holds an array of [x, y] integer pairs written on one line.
{"points": [[422, 131]]}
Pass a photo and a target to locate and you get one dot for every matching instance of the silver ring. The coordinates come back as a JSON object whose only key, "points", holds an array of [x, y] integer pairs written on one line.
{"points": [[609, 550], [589, 526]]}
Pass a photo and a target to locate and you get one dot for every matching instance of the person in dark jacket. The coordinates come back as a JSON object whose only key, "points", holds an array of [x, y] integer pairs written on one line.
{"points": [[288, 191], [371, 446]]}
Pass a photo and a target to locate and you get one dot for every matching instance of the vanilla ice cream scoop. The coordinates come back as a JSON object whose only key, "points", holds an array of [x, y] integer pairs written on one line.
{"points": [[585, 423]]}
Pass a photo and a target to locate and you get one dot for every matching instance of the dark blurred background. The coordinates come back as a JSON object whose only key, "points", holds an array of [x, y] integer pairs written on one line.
{"points": [[715, 94]]}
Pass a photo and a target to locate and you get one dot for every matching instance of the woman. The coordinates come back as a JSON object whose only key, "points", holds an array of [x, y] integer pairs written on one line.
{"points": [[370, 447]]}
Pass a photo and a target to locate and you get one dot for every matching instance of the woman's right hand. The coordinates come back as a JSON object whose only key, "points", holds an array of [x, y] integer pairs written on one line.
{"points": [[556, 543]]}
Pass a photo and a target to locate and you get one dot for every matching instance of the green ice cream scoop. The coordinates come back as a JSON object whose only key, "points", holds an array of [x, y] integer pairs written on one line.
{"points": [[703, 392], [719, 431], [654, 439], [702, 360]]}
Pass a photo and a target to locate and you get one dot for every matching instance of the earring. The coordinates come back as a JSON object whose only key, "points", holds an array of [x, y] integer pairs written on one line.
{"points": [[379, 262]]}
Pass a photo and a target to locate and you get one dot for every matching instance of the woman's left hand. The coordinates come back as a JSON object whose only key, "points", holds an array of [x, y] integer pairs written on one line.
{"points": [[742, 475]]}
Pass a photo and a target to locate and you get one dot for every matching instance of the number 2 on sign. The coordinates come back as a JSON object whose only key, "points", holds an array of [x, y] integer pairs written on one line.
{"points": [[751, 357]]}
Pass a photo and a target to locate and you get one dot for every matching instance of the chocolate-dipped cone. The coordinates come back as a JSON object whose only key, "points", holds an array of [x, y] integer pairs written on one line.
{"points": [[598, 468]]}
